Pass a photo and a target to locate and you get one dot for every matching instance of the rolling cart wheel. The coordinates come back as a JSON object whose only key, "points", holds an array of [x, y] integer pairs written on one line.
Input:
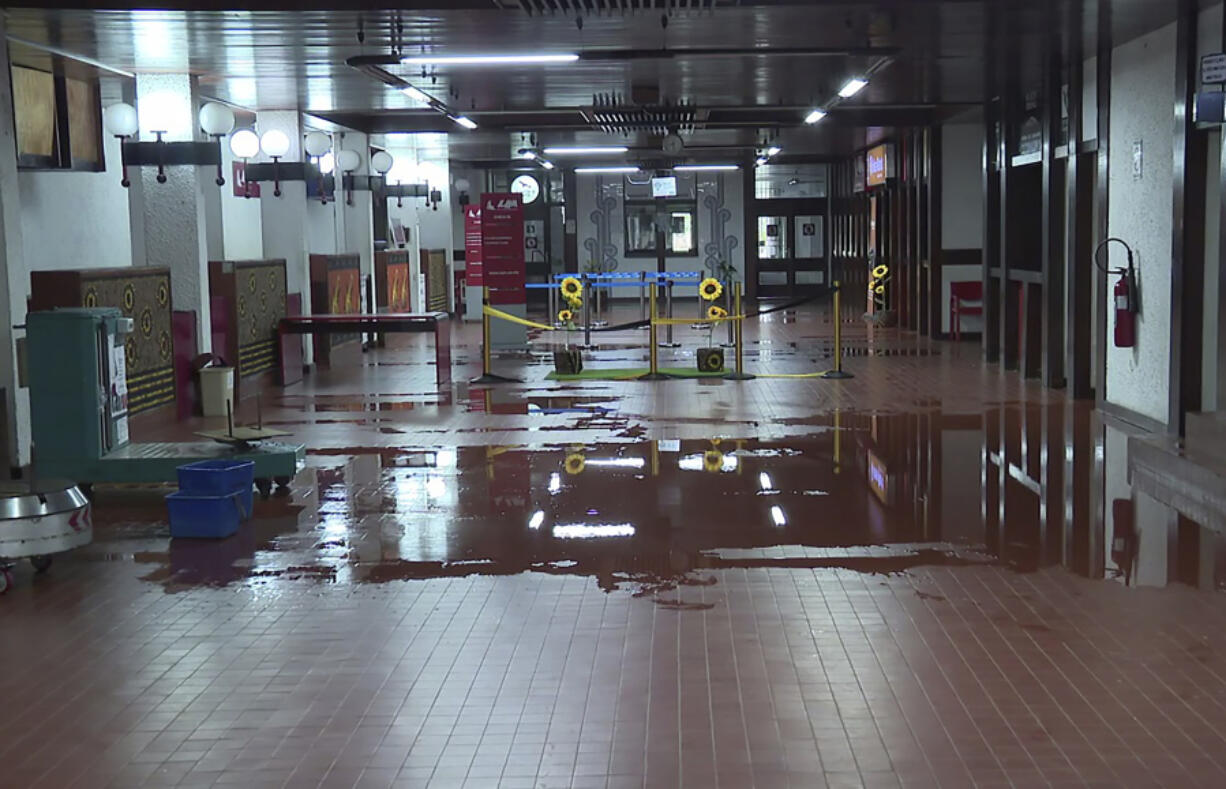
{"points": [[264, 486], [40, 563]]}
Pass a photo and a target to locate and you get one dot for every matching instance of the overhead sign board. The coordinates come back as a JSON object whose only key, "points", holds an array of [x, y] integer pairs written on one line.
{"points": [[1213, 68], [876, 166]]}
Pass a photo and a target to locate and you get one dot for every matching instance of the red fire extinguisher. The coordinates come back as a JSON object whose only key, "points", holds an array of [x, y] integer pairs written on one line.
{"points": [[1124, 297], [1125, 311]]}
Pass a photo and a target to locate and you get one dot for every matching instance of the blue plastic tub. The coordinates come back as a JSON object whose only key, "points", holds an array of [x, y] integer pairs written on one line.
{"points": [[213, 517], [219, 478], [215, 477]]}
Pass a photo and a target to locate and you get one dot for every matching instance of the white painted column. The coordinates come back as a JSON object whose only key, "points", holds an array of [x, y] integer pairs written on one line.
{"points": [[14, 286], [175, 218]]}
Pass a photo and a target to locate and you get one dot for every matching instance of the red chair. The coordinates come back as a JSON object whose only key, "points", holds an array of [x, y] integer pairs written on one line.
{"points": [[965, 298]]}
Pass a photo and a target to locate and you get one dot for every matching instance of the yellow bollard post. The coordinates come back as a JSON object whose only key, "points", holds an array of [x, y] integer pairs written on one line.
{"points": [[654, 373], [738, 374], [487, 376], [838, 372]]}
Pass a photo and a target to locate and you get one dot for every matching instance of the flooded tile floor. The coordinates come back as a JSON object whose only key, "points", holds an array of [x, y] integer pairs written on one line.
{"points": [[933, 574]]}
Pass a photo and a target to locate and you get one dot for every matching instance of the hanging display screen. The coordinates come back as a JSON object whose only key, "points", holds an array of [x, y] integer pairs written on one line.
{"points": [[665, 186]]}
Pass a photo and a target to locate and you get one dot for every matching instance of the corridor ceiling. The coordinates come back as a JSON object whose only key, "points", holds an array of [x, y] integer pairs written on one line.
{"points": [[745, 72]]}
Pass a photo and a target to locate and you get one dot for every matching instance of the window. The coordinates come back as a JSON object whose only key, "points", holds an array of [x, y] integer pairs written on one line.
{"points": [[680, 234], [58, 121]]}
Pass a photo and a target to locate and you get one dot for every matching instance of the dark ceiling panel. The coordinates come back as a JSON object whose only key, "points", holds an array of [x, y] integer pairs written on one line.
{"points": [[267, 57]]}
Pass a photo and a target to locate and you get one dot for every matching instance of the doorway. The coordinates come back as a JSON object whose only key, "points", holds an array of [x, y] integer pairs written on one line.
{"points": [[791, 249]]}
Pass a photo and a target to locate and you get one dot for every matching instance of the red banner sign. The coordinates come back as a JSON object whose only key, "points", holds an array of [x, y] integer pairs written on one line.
{"points": [[472, 246], [502, 247]]}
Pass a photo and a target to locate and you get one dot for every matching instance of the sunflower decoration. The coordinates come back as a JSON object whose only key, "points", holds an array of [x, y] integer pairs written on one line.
{"points": [[879, 289], [571, 288], [565, 316], [713, 461], [716, 313], [574, 464], [880, 271], [709, 289]]}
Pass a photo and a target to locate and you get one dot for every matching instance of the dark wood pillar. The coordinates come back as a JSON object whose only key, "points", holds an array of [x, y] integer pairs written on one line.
{"points": [[1102, 192], [933, 253], [570, 239], [1079, 244], [1052, 221], [1187, 231], [1010, 113]]}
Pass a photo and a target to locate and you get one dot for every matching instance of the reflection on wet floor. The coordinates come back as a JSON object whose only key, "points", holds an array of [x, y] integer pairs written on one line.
{"points": [[873, 493]]}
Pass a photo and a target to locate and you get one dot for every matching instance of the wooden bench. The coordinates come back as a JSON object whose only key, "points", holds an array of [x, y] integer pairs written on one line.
{"points": [[390, 322]]}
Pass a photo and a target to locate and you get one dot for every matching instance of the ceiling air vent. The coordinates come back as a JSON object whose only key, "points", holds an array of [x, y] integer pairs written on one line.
{"points": [[611, 114], [611, 7]]}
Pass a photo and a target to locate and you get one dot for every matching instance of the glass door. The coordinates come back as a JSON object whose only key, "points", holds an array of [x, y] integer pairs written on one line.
{"points": [[791, 247]]}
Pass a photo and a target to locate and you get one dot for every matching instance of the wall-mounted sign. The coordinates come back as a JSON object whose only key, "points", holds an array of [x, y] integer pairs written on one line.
{"points": [[527, 187], [239, 179], [1213, 68], [876, 165]]}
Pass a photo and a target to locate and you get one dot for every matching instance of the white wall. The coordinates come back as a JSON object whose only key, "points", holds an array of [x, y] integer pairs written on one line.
{"points": [[321, 227], [962, 186], [1142, 96], [599, 214], [75, 220]]}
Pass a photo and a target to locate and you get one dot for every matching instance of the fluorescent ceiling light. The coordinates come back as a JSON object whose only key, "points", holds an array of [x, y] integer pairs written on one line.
{"points": [[536, 520], [773, 150], [852, 87], [765, 482], [694, 168], [815, 116], [415, 94], [778, 517], [548, 165], [528, 155], [481, 60], [463, 121], [579, 150], [606, 169], [555, 482], [582, 531]]}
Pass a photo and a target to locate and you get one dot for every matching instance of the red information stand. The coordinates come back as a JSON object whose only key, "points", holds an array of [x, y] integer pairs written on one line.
{"points": [[502, 247], [472, 246]]}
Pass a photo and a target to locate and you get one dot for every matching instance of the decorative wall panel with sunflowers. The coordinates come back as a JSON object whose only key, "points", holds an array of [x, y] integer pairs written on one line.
{"points": [[142, 294], [392, 281], [247, 302], [336, 289]]}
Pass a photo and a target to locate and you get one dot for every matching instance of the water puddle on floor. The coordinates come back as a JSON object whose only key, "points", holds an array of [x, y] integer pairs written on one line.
{"points": [[865, 493]]}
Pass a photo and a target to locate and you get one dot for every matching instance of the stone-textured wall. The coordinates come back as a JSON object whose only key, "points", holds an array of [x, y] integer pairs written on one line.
{"points": [[1142, 101]]}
